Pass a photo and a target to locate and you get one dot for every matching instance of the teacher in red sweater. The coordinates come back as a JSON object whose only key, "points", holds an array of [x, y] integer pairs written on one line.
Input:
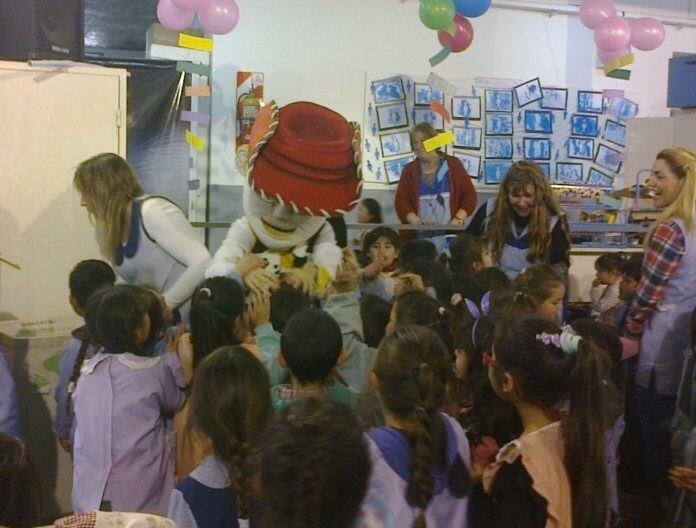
{"points": [[434, 189]]}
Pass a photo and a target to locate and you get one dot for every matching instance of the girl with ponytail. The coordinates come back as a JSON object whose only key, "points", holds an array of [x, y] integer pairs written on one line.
{"points": [[420, 458], [231, 406], [554, 474]]}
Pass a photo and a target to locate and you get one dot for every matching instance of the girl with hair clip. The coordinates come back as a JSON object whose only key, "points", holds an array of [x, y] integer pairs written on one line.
{"points": [[538, 290], [146, 238], [219, 317], [231, 406], [121, 402], [525, 224], [315, 467], [665, 297], [420, 459], [554, 474], [418, 308]]}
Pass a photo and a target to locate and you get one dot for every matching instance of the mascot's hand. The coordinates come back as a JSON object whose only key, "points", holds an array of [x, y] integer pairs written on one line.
{"points": [[260, 309], [301, 278], [260, 281]]}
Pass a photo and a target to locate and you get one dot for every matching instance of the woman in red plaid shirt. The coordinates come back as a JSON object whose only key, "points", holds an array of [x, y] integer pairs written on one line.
{"points": [[665, 297]]}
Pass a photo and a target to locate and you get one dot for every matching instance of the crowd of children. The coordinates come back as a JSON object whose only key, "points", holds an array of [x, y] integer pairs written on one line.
{"points": [[419, 390]]}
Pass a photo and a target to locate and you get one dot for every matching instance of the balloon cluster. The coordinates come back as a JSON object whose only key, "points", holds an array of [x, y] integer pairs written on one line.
{"points": [[217, 16], [450, 19], [615, 35]]}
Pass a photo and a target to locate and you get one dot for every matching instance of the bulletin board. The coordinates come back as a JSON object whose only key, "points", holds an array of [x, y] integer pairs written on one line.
{"points": [[577, 136]]}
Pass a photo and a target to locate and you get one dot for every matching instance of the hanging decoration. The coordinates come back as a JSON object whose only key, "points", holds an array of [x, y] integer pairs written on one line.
{"points": [[615, 36], [217, 16]]}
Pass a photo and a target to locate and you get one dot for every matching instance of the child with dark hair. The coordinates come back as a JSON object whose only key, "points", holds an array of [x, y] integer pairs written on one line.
{"points": [[435, 276], [420, 458], [121, 402], [468, 255], [495, 281], [374, 312], [20, 486], [554, 474], [538, 290], [85, 278], [369, 212], [231, 406], [418, 308], [315, 467], [631, 273], [285, 302], [604, 294], [310, 347], [418, 249], [381, 248]]}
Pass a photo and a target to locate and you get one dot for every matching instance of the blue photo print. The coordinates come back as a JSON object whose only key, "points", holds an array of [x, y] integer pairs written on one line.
{"points": [[528, 92], [599, 179], [622, 109], [393, 168], [466, 108], [590, 102], [584, 125], [498, 148], [467, 138], [395, 144], [424, 93], [425, 115], [615, 133], [606, 158], [546, 169], [388, 90], [554, 98], [498, 124], [392, 115], [538, 121], [495, 171], [580, 148], [471, 163], [537, 149], [569, 173], [498, 101]]}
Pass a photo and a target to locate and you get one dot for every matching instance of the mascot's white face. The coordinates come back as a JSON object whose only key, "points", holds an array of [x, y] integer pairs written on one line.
{"points": [[275, 224]]}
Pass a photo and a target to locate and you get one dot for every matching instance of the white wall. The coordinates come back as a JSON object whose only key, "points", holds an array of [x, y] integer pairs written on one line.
{"points": [[319, 50]]}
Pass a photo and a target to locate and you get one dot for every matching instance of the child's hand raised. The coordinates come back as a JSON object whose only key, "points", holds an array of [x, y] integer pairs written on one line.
{"points": [[683, 477], [260, 281], [302, 279], [184, 350], [371, 271], [260, 309], [408, 282]]}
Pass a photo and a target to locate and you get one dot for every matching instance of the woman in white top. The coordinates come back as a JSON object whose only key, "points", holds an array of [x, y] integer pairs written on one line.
{"points": [[147, 239]]}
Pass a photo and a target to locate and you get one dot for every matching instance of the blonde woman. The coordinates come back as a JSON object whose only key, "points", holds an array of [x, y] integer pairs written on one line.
{"points": [[147, 239], [664, 300], [524, 225], [434, 189]]}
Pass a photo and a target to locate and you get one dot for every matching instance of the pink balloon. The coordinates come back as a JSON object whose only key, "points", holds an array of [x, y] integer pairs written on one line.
{"points": [[608, 56], [592, 12], [220, 17], [647, 33], [612, 34], [191, 5], [172, 17], [463, 35]]}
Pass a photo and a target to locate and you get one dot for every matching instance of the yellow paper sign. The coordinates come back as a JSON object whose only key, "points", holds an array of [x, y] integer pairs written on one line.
{"points": [[619, 63], [197, 43], [197, 91], [438, 141], [196, 142]]}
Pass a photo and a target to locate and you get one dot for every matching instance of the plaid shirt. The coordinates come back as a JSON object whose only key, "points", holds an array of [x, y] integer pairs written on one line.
{"points": [[665, 252]]}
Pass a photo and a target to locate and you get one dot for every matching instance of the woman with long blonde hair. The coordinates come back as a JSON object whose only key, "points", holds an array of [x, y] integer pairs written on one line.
{"points": [[524, 224], [664, 300], [146, 238]]}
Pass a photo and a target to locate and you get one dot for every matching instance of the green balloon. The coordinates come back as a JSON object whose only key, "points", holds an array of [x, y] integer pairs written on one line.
{"points": [[436, 14]]}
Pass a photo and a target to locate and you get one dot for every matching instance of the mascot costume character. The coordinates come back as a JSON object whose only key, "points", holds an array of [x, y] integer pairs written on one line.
{"points": [[304, 166]]}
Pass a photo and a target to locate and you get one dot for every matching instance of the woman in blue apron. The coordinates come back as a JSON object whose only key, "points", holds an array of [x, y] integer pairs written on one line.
{"points": [[663, 303], [147, 239], [524, 224]]}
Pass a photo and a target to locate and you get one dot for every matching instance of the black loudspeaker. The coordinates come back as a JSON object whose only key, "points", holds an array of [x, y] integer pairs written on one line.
{"points": [[41, 29]]}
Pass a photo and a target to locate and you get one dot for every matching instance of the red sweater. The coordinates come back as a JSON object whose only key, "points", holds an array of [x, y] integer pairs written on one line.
{"points": [[462, 192]]}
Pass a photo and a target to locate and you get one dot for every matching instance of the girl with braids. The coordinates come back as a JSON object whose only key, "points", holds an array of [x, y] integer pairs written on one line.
{"points": [[231, 406], [419, 459], [315, 467], [122, 456], [86, 277], [525, 224], [554, 474], [538, 290]]}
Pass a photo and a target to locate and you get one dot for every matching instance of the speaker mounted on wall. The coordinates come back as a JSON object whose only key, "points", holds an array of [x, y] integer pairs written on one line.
{"points": [[41, 29]]}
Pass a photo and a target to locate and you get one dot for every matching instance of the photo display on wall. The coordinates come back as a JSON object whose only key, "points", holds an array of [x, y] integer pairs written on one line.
{"points": [[576, 136]]}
